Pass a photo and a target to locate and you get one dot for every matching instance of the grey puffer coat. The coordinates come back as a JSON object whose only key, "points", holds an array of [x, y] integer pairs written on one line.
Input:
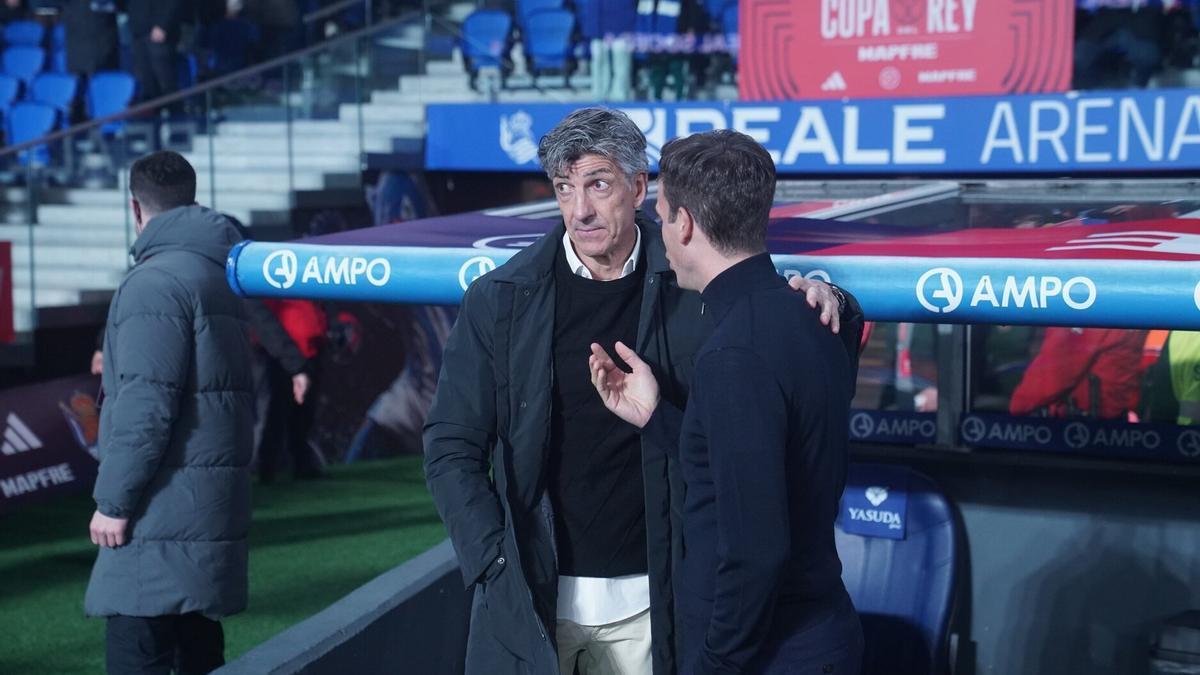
{"points": [[176, 426]]}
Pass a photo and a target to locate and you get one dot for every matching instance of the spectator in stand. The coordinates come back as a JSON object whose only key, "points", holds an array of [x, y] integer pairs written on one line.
{"points": [[91, 30], [155, 27], [1083, 371], [1133, 29]]}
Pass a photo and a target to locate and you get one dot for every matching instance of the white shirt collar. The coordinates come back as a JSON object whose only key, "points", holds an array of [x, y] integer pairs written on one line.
{"points": [[581, 270]]}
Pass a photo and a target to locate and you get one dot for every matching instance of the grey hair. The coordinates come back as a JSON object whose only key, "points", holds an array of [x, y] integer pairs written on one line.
{"points": [[594, 131]]}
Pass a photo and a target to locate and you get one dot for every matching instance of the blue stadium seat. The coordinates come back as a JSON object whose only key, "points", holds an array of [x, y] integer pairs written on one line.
{"points": [[24, 63], [109, 93], [58, 36], [28, 121], [548, 41], [907, 591], [10, 88], [58, 61], [57, 90], [486, 40], [598, 18], [527, 7], [24, 33]]}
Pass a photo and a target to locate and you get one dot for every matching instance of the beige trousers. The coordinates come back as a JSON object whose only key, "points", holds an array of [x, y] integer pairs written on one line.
{"points": [[620, 648]]}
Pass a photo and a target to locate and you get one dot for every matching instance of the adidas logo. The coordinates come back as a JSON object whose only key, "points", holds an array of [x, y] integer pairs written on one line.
{"points": [[835, 82], [18, 437]]}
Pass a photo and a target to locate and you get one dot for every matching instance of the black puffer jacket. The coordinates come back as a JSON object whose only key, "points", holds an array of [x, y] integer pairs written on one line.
{"points": [[176, 427]]}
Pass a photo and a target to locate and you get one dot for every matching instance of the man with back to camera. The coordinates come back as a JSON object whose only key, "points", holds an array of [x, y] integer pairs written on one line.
{"points": [[559, 514], [176, 428], [763, 440]]}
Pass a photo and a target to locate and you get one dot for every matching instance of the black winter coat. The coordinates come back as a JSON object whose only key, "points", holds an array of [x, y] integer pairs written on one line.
{"points": [[486, 444]]}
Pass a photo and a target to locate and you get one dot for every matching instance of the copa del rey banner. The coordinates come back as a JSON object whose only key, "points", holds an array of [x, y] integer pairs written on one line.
{"points": [[805, 49]]}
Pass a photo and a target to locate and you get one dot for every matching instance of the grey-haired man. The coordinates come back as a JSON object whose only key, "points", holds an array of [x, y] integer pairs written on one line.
{"points": [[560, 515]]}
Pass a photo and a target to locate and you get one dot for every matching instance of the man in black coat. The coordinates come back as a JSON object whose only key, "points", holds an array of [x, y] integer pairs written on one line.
{"points": [[91, 31], [764, 439], [560, 516], [155, 27]]}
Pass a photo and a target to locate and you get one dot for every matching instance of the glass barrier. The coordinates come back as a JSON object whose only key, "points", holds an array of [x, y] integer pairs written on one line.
{"points": [[1102, 392], [259, 143]]}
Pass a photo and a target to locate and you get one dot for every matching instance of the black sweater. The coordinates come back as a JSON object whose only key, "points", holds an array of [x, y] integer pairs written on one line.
{"points": [[763, 447]]}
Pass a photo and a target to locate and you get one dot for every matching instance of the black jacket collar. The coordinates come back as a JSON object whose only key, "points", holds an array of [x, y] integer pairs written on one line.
{"points": [[755, 273]]}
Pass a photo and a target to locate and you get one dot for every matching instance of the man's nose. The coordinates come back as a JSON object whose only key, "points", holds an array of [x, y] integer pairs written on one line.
{"points": [[582, 208]]}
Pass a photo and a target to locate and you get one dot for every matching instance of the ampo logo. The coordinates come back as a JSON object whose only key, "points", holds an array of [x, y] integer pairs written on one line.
{"points": [[1189, 443], [862, 425], [280, 269], [473, 269], [973, 429], [1076, 435], [945, 293]]}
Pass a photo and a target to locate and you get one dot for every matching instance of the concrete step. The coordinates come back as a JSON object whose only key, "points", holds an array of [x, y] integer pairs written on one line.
{"points": [[66, 278], [464, 95], [376, 135], [277, 144], [393, 97], [445, 68], [44, 297], [116, 198], [115, 217], [111, 256], [400, 108], [91, 236], [301, 129], [261, 180], [419, 84], [277, 162]]}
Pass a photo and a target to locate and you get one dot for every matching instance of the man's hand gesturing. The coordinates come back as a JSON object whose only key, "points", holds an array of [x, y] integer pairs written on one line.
{"points": [[631, 396]]}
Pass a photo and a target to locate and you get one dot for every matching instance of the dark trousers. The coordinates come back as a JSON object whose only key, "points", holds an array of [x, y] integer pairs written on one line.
{"points": [[796, 643], [187, 644], [287, 426], [154, 67]]}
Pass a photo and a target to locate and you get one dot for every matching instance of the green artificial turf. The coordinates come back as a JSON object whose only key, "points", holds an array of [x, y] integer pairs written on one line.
{"points": [[312, 542]]}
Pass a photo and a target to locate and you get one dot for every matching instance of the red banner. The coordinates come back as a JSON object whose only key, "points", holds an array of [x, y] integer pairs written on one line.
{"points": [[6, 293], [810, 49]]}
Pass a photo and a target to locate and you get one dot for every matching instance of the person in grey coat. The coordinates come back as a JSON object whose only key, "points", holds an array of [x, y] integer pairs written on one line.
{"points": [[176, 419]]}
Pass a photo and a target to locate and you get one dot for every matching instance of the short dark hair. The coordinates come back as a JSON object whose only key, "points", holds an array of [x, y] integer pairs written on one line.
{"points": [[162, 181], [726, 180]]}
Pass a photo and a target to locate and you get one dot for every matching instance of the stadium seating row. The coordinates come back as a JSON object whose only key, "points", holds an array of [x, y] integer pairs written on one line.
{"points": [[47, 103], [553, 36]]}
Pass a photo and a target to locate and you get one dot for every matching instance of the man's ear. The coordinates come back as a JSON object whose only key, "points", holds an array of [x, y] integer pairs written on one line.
{"points": [[641, 183], [686, 225]]}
